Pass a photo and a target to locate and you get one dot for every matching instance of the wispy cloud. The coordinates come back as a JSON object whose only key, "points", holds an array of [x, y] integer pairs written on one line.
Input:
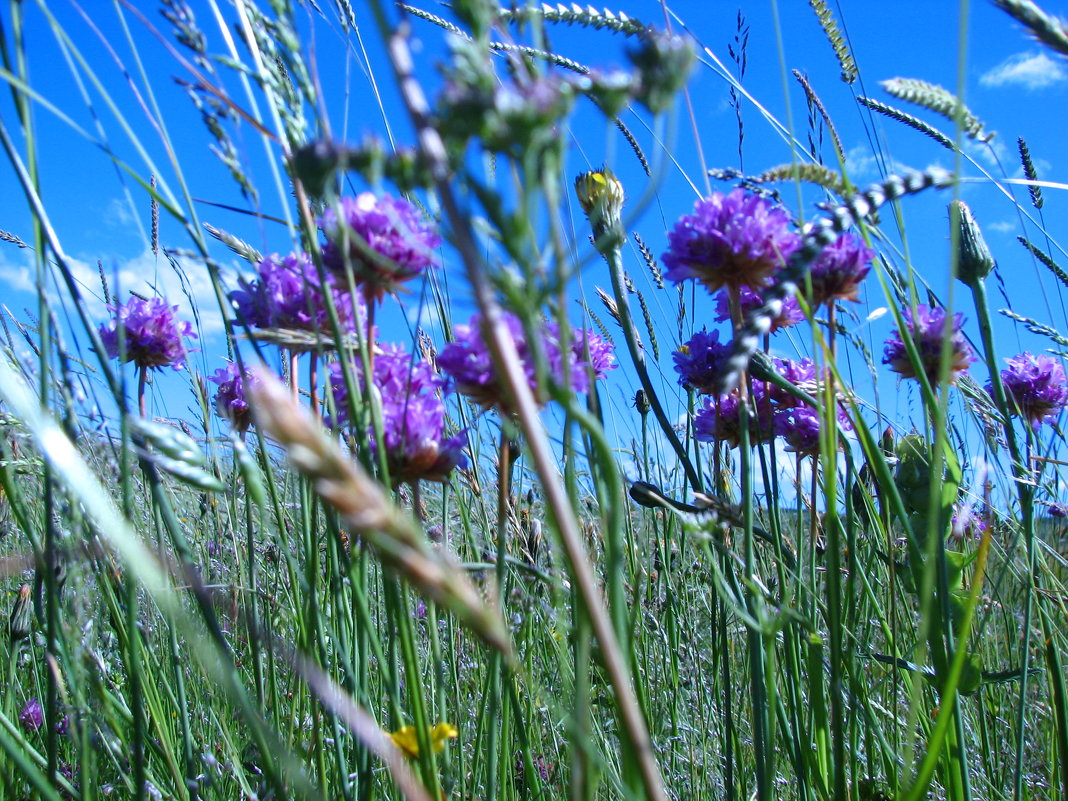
{"points": [[144, 273], [1029, 70]]}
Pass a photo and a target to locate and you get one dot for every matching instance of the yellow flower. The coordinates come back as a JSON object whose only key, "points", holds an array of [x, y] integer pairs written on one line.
{"points": [[404, 738]]}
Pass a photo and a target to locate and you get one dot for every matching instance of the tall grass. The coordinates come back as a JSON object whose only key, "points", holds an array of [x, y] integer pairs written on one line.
{"points": [[606, 601]]}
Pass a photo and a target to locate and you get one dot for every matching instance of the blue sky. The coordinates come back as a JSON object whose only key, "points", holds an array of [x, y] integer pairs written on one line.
{"points": [[1008, 81]]}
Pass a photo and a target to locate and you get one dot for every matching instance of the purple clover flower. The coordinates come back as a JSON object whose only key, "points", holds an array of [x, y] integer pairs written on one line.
{"points": [[719, 419], [799, 426], [1058, 510], [287, 294], [698, 362], [926, 330], [730, 241], [385, 240], [751, 300], [839, 269], [801, 374], [32, 715], [413, 416], [152, 333], [1036, 385], [231, 399], [468, 362]]}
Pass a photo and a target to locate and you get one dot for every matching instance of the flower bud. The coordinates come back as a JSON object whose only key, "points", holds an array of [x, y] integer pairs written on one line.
{"points": [[21, 622], [601, 196], [975, 261]]}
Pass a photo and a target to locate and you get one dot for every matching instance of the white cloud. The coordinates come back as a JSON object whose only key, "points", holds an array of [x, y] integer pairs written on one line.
{"points": [[145, 274], [860, 163], [1029, 70], [1003, 227]]}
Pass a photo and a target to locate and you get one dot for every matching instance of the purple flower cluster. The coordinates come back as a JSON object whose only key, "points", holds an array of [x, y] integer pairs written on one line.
{"points": [[287, 294], [413, 416], [468, 362], [927, 330], [839, 269], [772, 412], [719, 419], [730, 241], [698, 362], [386, 241], [152, 334], [231, 398], [1037, 386], [750, 300], [32, 715]]}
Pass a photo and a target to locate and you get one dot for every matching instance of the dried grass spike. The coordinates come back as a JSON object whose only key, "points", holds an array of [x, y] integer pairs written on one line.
{"points": [[814, 99], [575, 14], [837, 40], [649, 325], [939, 100], [609, 304], [1051, 31], [12, 238], [238, 246], [907, 119], [817, 174], [650, 260], [601, 327], [426, 15], [1049, 263], [1030, 172], [1035, 327]]}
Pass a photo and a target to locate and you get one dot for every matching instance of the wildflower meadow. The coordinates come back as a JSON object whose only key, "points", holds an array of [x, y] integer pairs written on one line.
{"points": [[503, 402]]}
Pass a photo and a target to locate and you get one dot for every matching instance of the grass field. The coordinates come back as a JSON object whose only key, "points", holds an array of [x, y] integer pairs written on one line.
{"points": [[453, 466]]}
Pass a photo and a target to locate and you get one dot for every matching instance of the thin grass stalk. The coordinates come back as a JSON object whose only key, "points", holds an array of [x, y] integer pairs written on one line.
{"points": [[498, 673]]}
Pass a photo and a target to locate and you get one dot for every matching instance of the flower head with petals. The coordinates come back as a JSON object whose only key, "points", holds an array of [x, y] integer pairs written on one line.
{"points": [[288, 294], [927, 330], [386, 241], [730, 240], [1037, 386], [151, 334], [699, 361], [231, 399], [838, 270], [468, 362], [413, 416]]}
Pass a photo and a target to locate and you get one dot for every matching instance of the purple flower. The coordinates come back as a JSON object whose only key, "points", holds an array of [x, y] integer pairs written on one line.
{"points": [[287, 294], [1036, 385], [413, 416], [839, 269], [719, 419], [730, 241], [32, 715], [698, 362], [1057, 510], [230, 400], [468, 362], [750, 300], [801, 374], [152, 333], [926, 330], [800, 428], [386, 241]]}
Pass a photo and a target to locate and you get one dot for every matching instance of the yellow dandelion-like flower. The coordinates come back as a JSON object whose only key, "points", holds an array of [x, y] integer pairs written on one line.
{"points": [[406, 740]]}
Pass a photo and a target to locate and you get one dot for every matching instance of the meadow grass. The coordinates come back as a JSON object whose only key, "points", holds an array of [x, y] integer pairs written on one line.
{"points": [[281, 594]]}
